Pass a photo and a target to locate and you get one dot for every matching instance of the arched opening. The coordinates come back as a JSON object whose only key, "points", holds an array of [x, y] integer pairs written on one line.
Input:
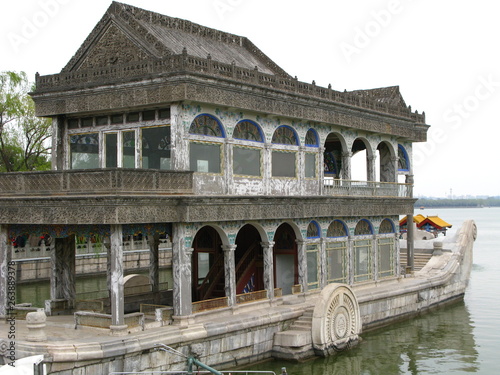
{"points": [[386, 168], [333, 156], [359, 161], [208, 265], [363, 259], [336, 252], [285, 259], [249, 260]]}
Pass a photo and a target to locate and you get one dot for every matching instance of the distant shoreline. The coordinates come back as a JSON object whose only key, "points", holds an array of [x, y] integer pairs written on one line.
{"points": [[457, 203]]}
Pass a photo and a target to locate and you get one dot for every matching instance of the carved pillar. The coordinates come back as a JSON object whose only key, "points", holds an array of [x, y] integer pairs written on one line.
{"points": [[302, 264], [397, 255], [181, 268], [370, 168], [321, 170], [410, 241], [5, 262], [346, 165], [267, 168], [154, 265], [267, 250], [228, 169], [117, 295], [375, 255], [301, 169], [322, 265], [409, 180], [350, 260], [393, 171], [58, 136], [63, 275], [229, 274]]}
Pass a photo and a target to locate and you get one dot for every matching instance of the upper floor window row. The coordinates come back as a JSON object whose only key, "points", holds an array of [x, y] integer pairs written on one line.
{"points": [[119, 118], [248, 130]]}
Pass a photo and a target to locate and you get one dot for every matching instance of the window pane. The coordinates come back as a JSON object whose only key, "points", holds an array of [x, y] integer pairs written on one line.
{"points": [[336, 261], [84, 149], [128, 149], [362, 260], [246, 161], [386, 259], [310, 165], [283, 164], [312, 266], [111, 150], [156, 147], [133, 117], [205, 157], [148, 115]]}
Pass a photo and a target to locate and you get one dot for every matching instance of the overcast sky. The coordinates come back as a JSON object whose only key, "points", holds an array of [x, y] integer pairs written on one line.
{"points": [[444, 55]]}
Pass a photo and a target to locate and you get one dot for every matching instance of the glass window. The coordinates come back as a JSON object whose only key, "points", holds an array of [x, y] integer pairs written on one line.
{"points": [[386, 257], [84, 151], [164, 114], [285, 135], [336, 229], [312, 266], [73, 123], [310, 165], [313, 230], [362, 260], [336, 260], [246, 161], [111, 144], [283, 164], [206, 125], [386, 226], [205, 157], [248, 130], [133, 117], [148, 115], [363, 227], [156, 147], [87, 122], [101, 120], [311, 138], [117, 119], [128, 149]]}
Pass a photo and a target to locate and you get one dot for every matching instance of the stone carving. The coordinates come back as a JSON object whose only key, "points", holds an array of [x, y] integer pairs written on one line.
{"points": [[336, 320], [35, 321]]}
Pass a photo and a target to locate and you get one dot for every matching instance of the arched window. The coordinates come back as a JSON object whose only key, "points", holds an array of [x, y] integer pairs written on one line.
{"points": [[312, 138], [207, 125], [248, 130], [337, 229], [363, 227], [404, 162], [284, 161], [285, 135], [387, 226], [206, 156], [313, 230]]}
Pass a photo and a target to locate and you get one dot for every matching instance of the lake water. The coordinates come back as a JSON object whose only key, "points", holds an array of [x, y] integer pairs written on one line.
{"points": [[458, 339]]}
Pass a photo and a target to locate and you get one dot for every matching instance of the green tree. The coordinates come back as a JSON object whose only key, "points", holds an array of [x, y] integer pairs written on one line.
{"points": [[24, 138]]}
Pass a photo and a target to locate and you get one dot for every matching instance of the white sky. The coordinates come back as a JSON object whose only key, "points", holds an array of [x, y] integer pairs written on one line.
{"points": [[444, 55]]}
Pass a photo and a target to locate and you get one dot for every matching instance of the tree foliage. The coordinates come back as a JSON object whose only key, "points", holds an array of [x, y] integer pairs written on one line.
{"points": [[24, 138]]}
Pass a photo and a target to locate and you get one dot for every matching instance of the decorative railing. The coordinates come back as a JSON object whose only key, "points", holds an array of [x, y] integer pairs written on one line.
{"points": [[96, 181], [210, 304], [337, 187], [188, 63], [256, 296]]}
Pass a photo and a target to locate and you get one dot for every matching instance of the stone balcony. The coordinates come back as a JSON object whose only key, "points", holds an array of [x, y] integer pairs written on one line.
{"points": [[93, 182]]}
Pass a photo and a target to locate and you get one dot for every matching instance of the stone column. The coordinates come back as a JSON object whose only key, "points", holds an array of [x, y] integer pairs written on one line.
{"points": [[397, 255], [267, 170], [301, 169], [118, 325], [63, 275], [322, 265], [58, 138], [181, 268], [302, 264], [410, 241], [321, 170], [228, 167], [5, 259], [346, 165], [394, 169], [267, 250], [229, 274], [350, 260], [154, 265], [375, 256], [370, 168]]}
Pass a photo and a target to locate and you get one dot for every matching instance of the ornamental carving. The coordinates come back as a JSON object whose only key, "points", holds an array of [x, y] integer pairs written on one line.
{"points": [[336, 320]]}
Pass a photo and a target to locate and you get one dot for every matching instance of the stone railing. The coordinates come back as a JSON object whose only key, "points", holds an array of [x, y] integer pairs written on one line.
{"points": [[98, 320], [96, 181], [188, 63], [366, 188]]}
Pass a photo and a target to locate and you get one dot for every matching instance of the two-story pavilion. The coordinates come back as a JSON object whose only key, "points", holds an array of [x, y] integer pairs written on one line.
{"points": [[161, 125]]}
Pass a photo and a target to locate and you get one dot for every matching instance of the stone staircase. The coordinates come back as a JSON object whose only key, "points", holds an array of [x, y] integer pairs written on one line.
{"points": [[419, 259], [297, 340]]}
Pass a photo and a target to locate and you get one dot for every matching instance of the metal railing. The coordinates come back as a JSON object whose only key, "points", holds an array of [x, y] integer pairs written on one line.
{"points": [[337, 187]]}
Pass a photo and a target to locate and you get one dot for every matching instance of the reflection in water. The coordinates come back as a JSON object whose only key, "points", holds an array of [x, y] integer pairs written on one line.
{"points": [[440, 342]]}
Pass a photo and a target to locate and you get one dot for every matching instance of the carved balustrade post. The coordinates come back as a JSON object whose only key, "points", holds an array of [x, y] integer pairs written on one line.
{"points": [[229, 274], [267, 250]]}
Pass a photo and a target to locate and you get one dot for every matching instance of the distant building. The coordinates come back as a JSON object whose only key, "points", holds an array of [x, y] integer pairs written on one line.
{"points": [[430, 223]]}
